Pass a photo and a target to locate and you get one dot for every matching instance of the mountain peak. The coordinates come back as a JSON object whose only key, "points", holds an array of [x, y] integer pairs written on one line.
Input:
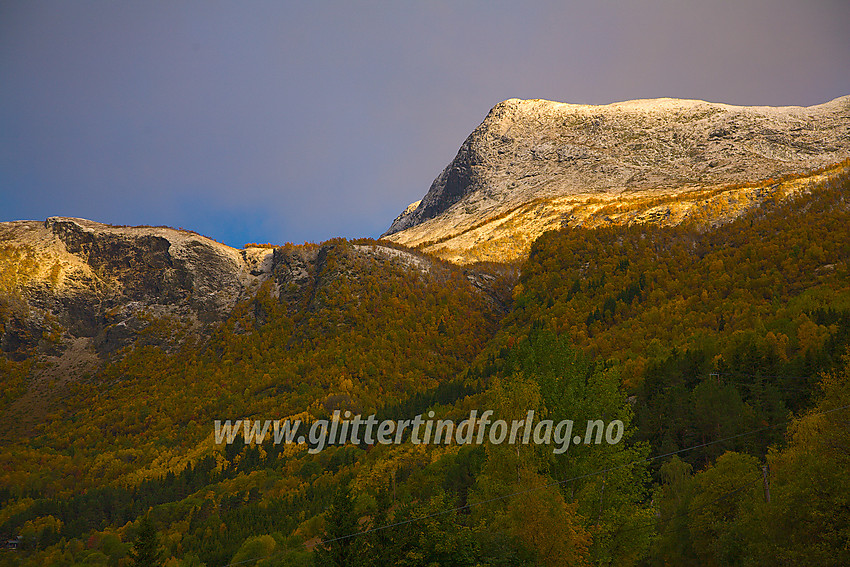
{"points": [[530, 150]]}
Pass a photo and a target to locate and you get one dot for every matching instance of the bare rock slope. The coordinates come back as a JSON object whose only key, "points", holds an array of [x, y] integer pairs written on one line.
{"points": [[107, 282], [534, 165], [69, 281]]}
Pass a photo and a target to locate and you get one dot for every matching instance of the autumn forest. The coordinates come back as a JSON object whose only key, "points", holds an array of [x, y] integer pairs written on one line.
{"points": [[723, 350]]}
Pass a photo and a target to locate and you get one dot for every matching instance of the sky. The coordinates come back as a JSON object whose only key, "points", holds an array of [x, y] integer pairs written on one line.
{"points": [[301, 121]]}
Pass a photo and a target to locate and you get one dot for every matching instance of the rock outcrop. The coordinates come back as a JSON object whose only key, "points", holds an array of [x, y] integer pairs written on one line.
{"points": [[68, 281], [538, 163], [106, 282]]}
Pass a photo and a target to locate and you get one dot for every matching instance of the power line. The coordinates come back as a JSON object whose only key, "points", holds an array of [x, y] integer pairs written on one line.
{"points": [[549, 485]]}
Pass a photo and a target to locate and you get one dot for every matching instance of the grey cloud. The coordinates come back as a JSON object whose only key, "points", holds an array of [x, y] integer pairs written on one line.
{"points": [[302, 121]]}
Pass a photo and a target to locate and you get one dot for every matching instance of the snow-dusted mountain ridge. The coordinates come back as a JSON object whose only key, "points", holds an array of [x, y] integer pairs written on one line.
{"points": [[557, 156]]}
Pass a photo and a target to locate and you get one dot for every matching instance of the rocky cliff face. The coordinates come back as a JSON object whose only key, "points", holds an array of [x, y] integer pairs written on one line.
{"points": [[538, 164], [75, 282], [69, 281]]}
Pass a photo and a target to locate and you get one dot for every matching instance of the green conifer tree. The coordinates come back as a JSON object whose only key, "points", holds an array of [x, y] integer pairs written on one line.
{"points": [[145, 551], [340, 546]]}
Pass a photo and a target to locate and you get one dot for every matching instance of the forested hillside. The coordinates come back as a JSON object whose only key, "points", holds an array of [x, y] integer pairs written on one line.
{"points": [[723, 352]]}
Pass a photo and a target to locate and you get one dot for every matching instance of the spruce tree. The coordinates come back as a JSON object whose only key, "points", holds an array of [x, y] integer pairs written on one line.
{"points": [[146, 552], [340, 546]]}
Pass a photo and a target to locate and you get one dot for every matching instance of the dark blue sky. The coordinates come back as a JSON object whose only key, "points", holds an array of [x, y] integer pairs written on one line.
{"points": [[293, 121]]}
